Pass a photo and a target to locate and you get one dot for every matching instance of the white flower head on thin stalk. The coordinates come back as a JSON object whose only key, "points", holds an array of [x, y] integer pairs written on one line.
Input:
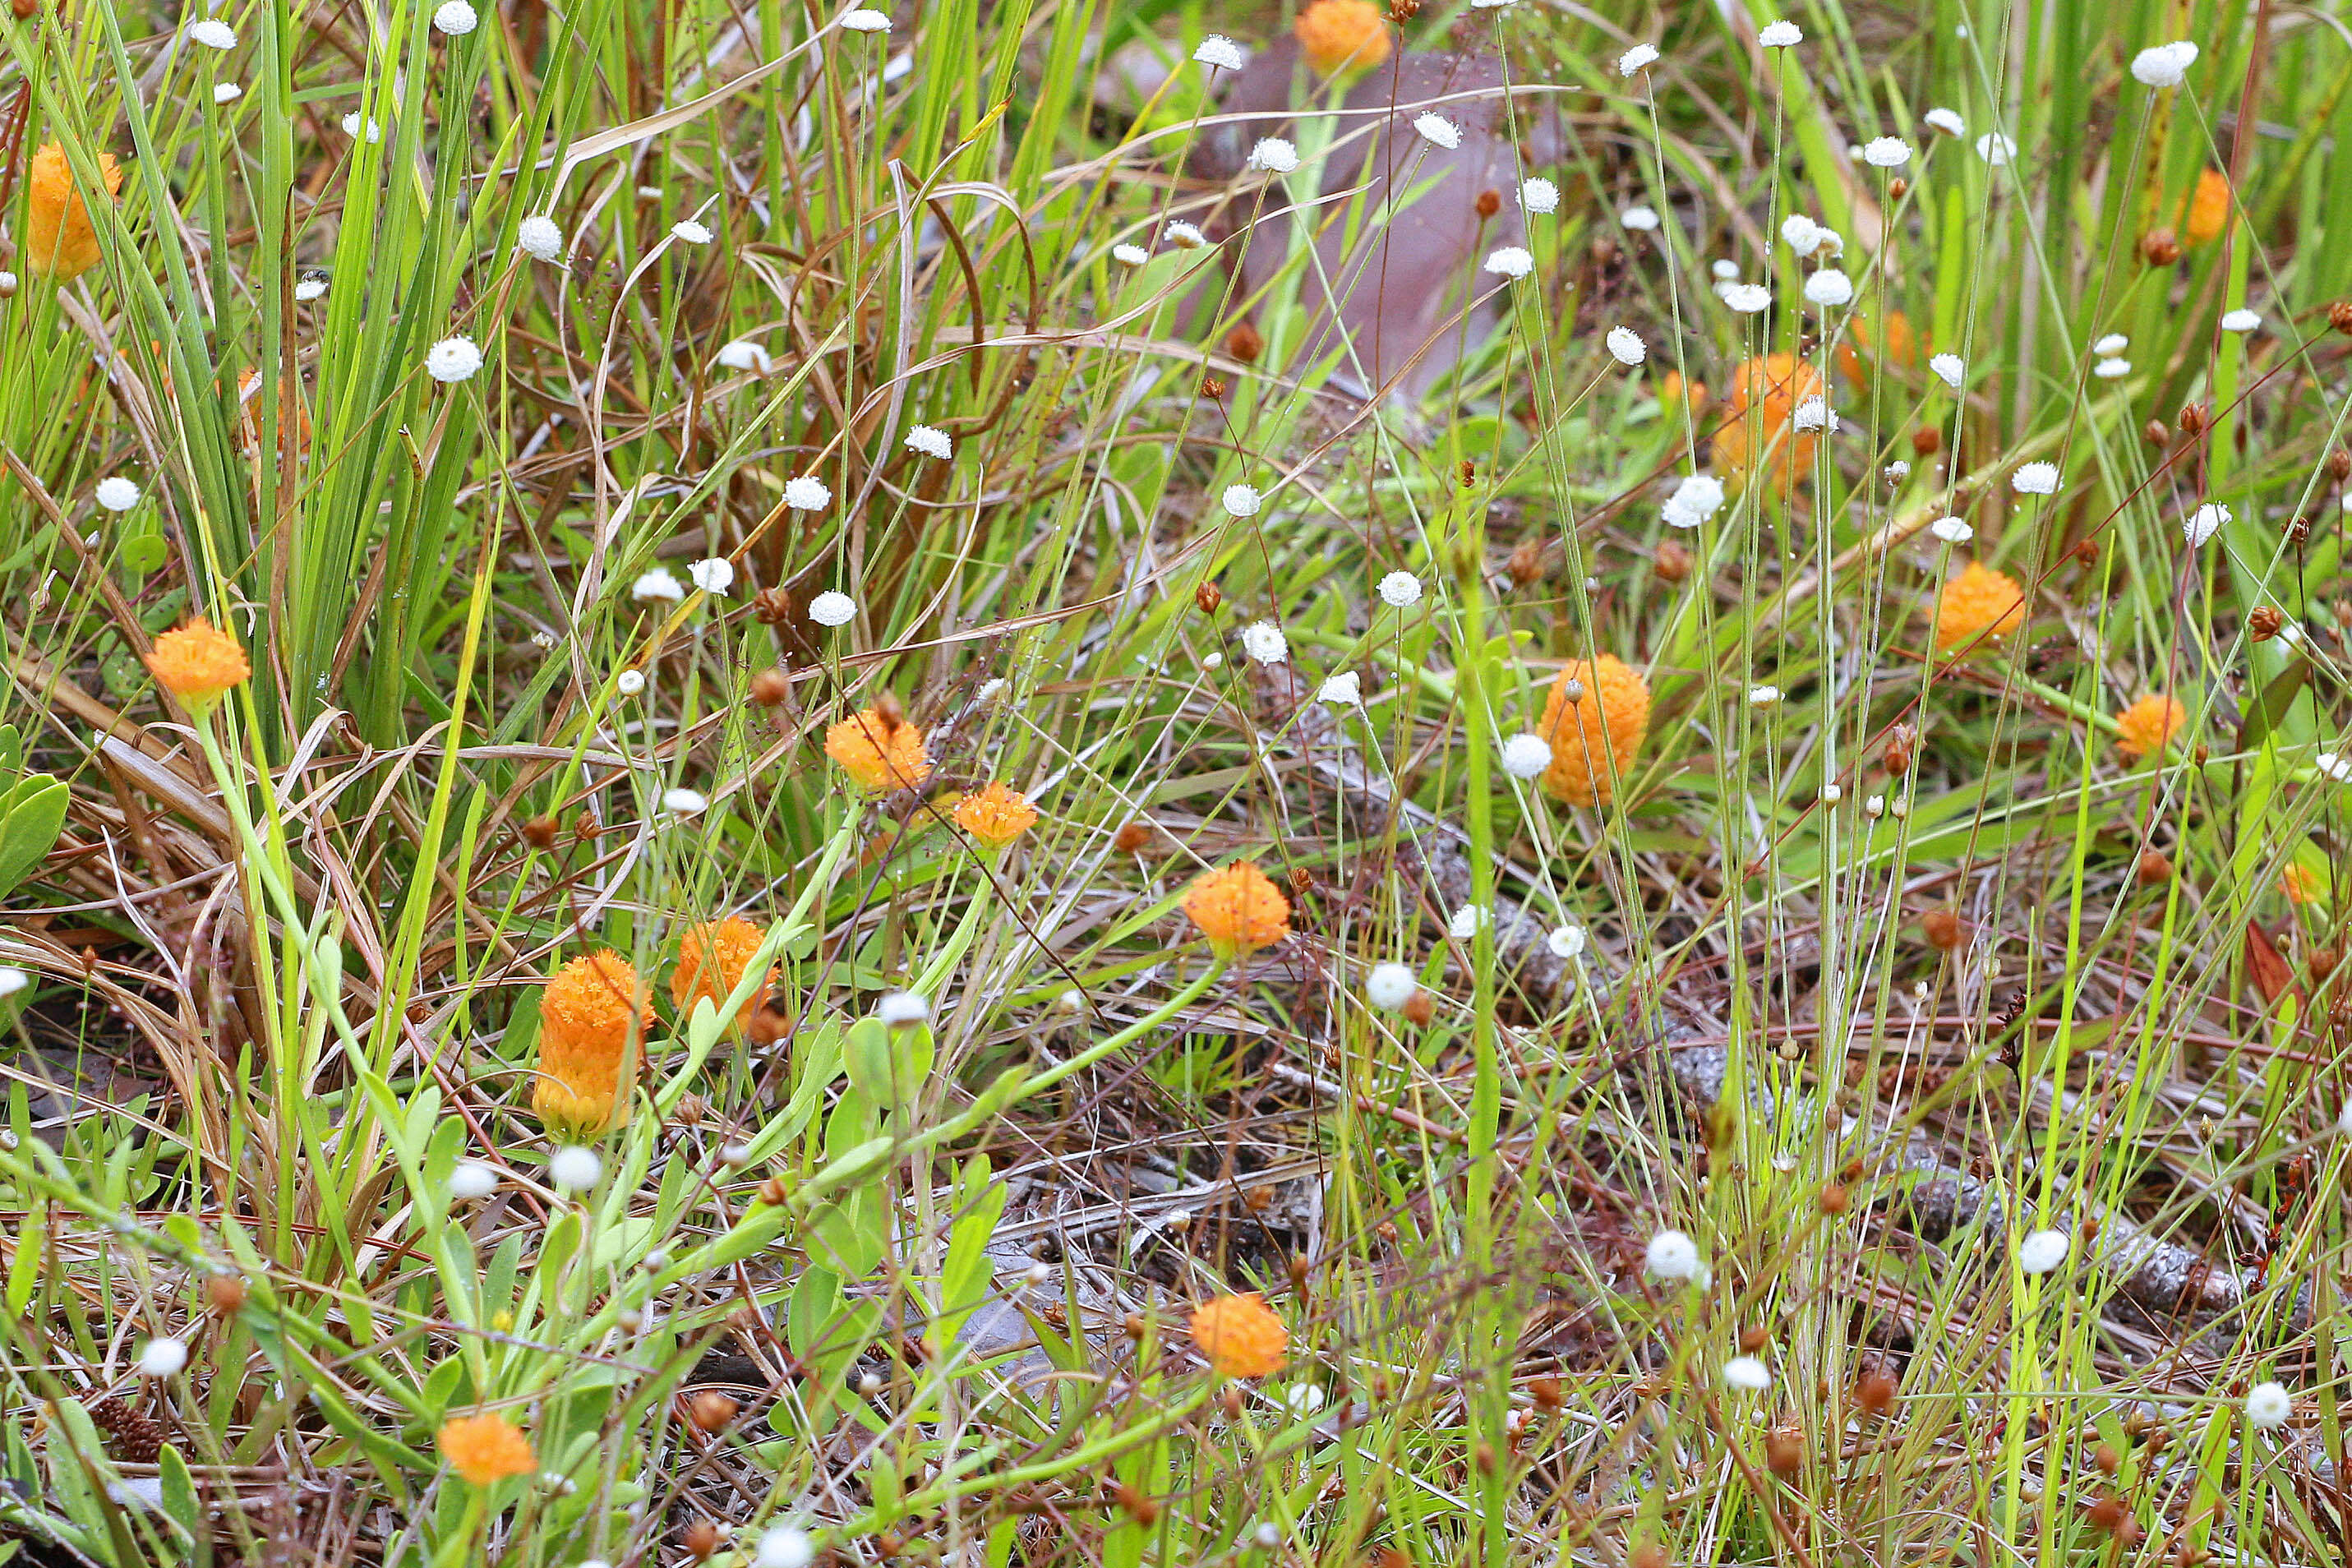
{"points": [[629, 683], [352, 127], [1220, 53], [1951, 531], [116, 494], [1438, 131], [2204, 522], [1304, 1399], [1996, 148], [574, 1170], [1887, 152], [1526, 756], [1390, 986], [456, 19], [2111, 345], [714, 575], [690, 232], [472, 1180], [2165, 65], [1129, 254], [1640, 219], [743, 354], [1802, 235], [1242, 500], [657, 586], [1345, 690], [2242, 320], [1724, 270], [1511, 261], [226, 92], [1698, 498], [1565, 941], [1466, 922], [1814, 414], [2112, 369], [865, 19], [2035, 480], [13, 979], [1781, 35], [685, 802], [309, 287], [931, 442], [213, 33], [1263, 643], [903, 1009], [1626, 346], [1185, 236], [1947, 120], [1748, 1373], [162, 1357], [2336, 766], [453, 359], [1273, 155], [1747, 298], [539, 237], [833, 609], [2044, 1251], [1829, 288], [1400, 589], [1950, 370], [1672, 1255], [807, 493], [1763, 696], [1638, 58], [1538, 194]]}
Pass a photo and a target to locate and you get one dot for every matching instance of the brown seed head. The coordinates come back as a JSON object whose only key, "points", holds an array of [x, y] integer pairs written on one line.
{"points": [[1527, 563], [225, 1294], [770, 687], [1898, 750], [1784, 1451], [1244, 343], [2086, 552], [1874, 1391], [771, 1021], [2297, 530], [1134, 1504], [1672, 563], [1831, 1198], [2107, 1460], [692, 1109], [2193, 419], [2105, 1515], [711, 1411], [2339, 464], [2154, 868], [1547, 1393], [1208, 596], [1647, 1554], [2157, 433], [1420, 1009], [1489, 203], [2339, 315], [1469, 473], [539, 832], [771, 607], [700, 1540], [1943, 929], [1754, 1338], [1132, 837], [1926, 441], [2160, 247], [2264, 623], [24, 9], [1898, 188], [774, 1193]]}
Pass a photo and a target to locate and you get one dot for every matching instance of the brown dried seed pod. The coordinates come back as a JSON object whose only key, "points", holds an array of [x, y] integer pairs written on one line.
{"points": [[539, 832], [770, 687], [2157, 433], [711, 1411], [1208, 596], [1926, 441], [2263, 622], [1420, 1009], [2339, 315], [1944, 930], [1131, 838], [2160, 247], [1489, 203], [1671, 563], [2154, 868], [2193, 419], [1245, 342]]}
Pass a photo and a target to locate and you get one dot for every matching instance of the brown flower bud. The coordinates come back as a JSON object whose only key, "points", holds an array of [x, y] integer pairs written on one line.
{"points": [[1547, 1393], [225, 1294], [1898, 750], [2105, 1515], [1208, 596], [770, 687], [1469, 473], [2194, 417], [1212, 387], [771, 607], [690, 1110], [774, 1194], [1672, 563], [1832, 1199], [1244, 343], [1527, 563], [1647, 1554], [2263, 622], [700, 1540], [1134, 1504], [1784, 1451], [1754, 1338], [1926, 441], [25, 9], [1403, 10], [539, 832], [1943, 929], [2155, 868], [1420, 1009], [2297, 530], [2156, 433], [2160, 247], [1131, 838], [711, 1411], [2086, 552], [2339, 315], [1874, 1391], [1489, 203]]}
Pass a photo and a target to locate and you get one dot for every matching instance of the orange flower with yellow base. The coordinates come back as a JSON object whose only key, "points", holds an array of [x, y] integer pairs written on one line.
{"points": [[1595, 733], [712, 959], [1241, 1336], [1238, 909], [60, 241], [591, 1025]]}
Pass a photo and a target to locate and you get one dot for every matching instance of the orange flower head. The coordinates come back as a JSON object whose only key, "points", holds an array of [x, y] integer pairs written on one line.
{"points": [[1677, 396], [1238, 909], [1595, 736], [2147, 726], [2208, 208], [879, 751], [591, 1022], [60, 242], [1754, 434], [996, 816], [2302, 885], [485, 1450], [1866, 345], [712, 959], [1241, 1336], [199, 663], [1342, 35], [1978, 600]]}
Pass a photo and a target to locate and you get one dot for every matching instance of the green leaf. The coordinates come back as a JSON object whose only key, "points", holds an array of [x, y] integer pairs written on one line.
{"points": [[32, 813]]}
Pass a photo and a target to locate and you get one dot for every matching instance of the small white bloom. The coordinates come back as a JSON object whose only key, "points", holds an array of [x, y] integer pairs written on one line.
{"points": [[1220, 53], [1801, 233], [1438, 131], [308, 288], [685, 802], [1672, 1255], [1273, 155], [2044, 1251], [807, 493], [1947, 120], [2241, 322], [162, 1358], [352, 127], [743, 354], [1896, 471], [2338, 768], [2112, 344], [1874, 807], [2268, 1404], [1511, 261], [1242, 500], [784, 1546], [226, 92], [2112, 369], [539, 237], [1832, 794], [1763, 696], [1525, 756], [574, 1169], [1641, 219], [657, 586], [1466, 922], [1887, 152], [629, 683], [1748, 1373], [1390, 986], [1698, 498], [1129, 254], [1996, 148], [1948, 369], [1539, 196], [1567, 942], [1399, 589], [1212, 660], [1640, 58], [1264, 643], [1724, 269], [931, 442], [13, 979], [1830, 246], [1185, 236], [2165, 65], [213, 33], [1781, 35], [1814, 414], [713, 576], [833, 609], [691, 232], [1951, 531], [2205, 523], [1828, 287], [1344, 689], [901, 1009], [1626, 347], [1304, 1399], [1269, 1535], [453, 359], [866, 20], [456, 19], [116, 494], [1747, 298], [2035, 480], [471, 1180]]}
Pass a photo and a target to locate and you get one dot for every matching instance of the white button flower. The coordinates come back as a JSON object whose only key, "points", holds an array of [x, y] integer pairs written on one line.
{"points": [[691, 232], [1539, 196], [1438, 131], [1672, 1255], [1345, 690], [2044, 1251], [213, 33], [1220, 53], [163, 1358], [1947, 120], [864, 19], [1747, 298], [2241, 320], [453, 359], [1948, 369], [1748, 1373], [1399, 589], [1781, 35], [1565, 941], [685, 802], [1829, 288], [2268, 1404], [1263, 643], [833, 609], [1640, 58], [1626, 347], [743, 354], [574, 1170], [1242, 500], [1185, 236], [657, 586], [456, 19], [1640, 219], [1129, 254], [1996, 148], [2204, 522], [1698, 498], [1273, 155], [1887, 152], [1951, 531], [931, 442], [1802, 234], [538, 238], [1525, 756], [1390, 986], [1511, 261], [2035, 480], [713, 576], [2165, 65], [116, 494], [807, 493]]}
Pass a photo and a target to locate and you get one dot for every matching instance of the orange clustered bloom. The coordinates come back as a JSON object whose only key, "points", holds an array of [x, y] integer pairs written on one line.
{"points": [[1342, 35], [995, 815], [1866, 345], [590, 1024], [485, 1450], [1594, 738], [1675, 394], [879, 751], [1238, 909], [2147, 726], [1980, 600], [199, 663], [2301, 885], [712, 959], [1241, 1336], [60, 242], [2208, 208], [1764, 395]]}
